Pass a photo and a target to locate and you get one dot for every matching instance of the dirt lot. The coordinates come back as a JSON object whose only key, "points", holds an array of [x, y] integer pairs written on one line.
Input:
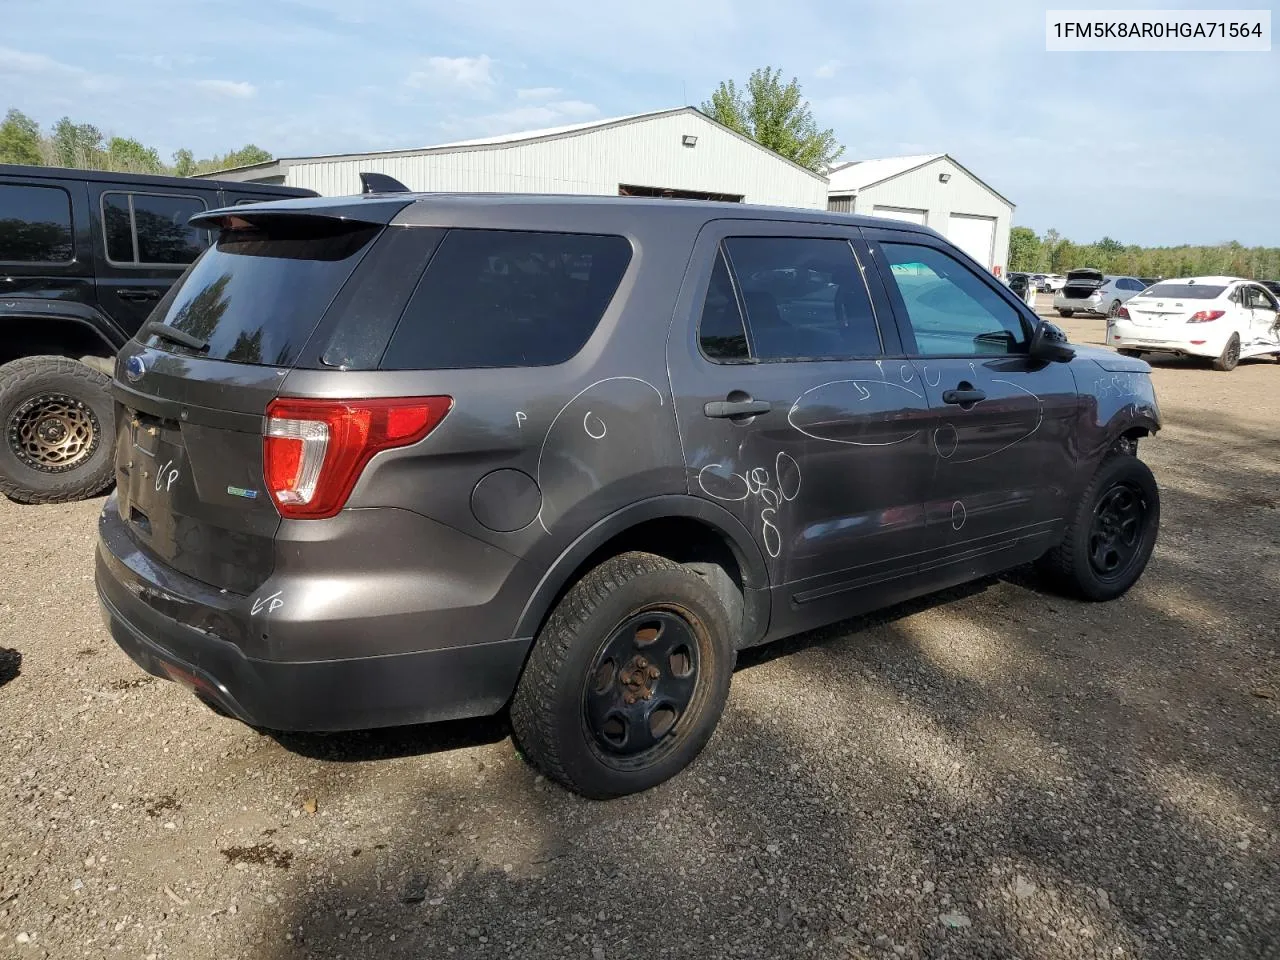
{"points": [[995, 772]]}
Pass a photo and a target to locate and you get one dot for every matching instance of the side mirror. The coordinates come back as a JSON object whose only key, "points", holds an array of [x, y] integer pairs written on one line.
{"points": [[1050, 344]]}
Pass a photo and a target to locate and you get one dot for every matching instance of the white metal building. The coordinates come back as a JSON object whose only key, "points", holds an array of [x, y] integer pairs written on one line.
{"points": [[931, 189], [678, 152]]}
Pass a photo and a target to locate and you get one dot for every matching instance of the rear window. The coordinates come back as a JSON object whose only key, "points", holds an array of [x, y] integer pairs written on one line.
{"points": [[1185, 291], [505, 298], [35, 224], [257, 295]]}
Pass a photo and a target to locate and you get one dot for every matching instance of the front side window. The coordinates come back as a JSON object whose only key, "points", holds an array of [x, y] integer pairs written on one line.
{"points": [[952, 311], [805, 298], [1259, 299], [146, 228], [507, 298], [35, 224]]}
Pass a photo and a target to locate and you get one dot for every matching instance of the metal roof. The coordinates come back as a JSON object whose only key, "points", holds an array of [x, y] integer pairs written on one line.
{"points": [[857, 174], [521, 137], [860, 174]]}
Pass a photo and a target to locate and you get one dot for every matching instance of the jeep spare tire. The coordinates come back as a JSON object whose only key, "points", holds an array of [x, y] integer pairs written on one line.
{"points": [[57, 430]]}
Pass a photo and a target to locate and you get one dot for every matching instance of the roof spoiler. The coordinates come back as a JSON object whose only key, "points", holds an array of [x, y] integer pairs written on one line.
{"points": [[381, 183]]}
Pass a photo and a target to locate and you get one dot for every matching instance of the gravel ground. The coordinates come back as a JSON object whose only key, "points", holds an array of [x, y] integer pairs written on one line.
{"points": [[993, 772]]}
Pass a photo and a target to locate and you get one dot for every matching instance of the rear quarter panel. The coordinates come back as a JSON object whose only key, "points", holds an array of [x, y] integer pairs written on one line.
{"points": [[558, 448]]}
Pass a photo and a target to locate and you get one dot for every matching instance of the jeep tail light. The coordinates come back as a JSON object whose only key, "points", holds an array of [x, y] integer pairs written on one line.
{"points": [[1206, 316], [313, 451]]}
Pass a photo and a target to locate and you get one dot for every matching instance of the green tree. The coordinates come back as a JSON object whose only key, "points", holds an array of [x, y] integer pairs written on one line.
{"points": [[77, 145], [1024, 249], [775, 115], [184, 163], [19, 139], [129, 156]]}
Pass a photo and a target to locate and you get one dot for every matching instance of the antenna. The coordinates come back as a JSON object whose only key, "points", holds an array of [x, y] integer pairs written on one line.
{"points": [[684, 94]]}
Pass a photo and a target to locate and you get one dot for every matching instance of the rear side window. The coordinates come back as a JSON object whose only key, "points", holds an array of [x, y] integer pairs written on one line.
{"points": [[721, 332], [805, 298], [148, 228], [35, 224], [257, 295], [505, 298]]}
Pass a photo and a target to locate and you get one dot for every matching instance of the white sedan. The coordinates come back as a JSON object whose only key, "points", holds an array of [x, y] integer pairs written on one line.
{"points": [[1221, 318]]}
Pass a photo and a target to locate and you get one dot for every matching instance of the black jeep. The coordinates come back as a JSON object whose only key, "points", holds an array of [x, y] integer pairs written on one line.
{"points": [[84, 257]]}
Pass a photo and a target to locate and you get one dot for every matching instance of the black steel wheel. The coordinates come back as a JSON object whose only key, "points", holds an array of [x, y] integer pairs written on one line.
{"points": [[627, 680], [1116, 535], [1111, 534], [58, 427], [642, 684]]}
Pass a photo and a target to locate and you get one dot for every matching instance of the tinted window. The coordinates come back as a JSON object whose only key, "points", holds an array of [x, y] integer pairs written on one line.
{"points": [[952, 310], [257, 295], [152, 226], [1186, 291], [805, 298], [35, 224], [721, 332], [501, 298]]}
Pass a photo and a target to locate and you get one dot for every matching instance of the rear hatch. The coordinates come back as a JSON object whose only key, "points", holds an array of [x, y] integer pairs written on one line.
{"points": [[1171, 304], [193, 387], [1081, 284]]}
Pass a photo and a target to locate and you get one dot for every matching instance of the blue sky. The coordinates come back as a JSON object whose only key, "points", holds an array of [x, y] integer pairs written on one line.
{"points": [[1154, 148]]}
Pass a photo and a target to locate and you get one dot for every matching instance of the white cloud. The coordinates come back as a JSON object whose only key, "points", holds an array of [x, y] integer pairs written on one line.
{"points": [[538, 93], [22, 63], [469, 74], [236, 89], [828, 70]]}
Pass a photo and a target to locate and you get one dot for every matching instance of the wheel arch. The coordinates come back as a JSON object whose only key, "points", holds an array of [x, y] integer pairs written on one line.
{"points": [[682, 528], [31, 331]]}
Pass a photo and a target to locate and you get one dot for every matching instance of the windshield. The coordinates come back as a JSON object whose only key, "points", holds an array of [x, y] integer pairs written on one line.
{"points": [[1184, 291]]}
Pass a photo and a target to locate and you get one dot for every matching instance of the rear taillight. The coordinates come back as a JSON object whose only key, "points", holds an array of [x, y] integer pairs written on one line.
{"points": [[314, 450], [1206, 316], [1122, 313]]}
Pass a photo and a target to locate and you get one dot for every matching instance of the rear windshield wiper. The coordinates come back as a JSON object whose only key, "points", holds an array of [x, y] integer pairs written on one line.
{"points": [[174, 335]]}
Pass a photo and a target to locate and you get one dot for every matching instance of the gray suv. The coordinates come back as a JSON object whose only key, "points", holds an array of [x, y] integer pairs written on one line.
{"points": [[407, 458]]}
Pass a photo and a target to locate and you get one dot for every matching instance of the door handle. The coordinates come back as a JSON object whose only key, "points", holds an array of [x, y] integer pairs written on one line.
{"points": [[729, 409], [964, 395], [127, 293]]}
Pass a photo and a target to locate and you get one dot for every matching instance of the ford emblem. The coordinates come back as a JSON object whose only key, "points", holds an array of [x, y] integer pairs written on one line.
{"points": [[134, 368]]}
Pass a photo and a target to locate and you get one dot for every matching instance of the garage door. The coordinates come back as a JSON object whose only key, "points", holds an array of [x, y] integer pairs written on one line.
{"points": [[976, 236], [901, 213]]}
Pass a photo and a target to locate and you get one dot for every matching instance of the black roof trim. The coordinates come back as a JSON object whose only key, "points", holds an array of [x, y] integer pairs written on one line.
{"points": [[147, 179]]}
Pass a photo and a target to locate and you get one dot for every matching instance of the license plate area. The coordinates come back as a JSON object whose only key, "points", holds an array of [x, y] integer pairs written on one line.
{"points": [[155, 465]]}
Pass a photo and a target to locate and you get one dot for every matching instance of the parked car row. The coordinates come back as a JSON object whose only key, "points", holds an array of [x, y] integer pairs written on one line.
{"points": [[1090, 291]]}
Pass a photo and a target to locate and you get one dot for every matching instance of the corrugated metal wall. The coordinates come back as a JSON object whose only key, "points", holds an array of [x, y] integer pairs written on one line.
{"points": [[921, 189], [646, 153]]}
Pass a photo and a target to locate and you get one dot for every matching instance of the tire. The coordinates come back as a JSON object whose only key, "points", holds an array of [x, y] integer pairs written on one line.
{"points": [[1115, 308], [1089, 565], [1065, 313], [57, 431], [1230, 355], [571, 715], [1128, 353]]}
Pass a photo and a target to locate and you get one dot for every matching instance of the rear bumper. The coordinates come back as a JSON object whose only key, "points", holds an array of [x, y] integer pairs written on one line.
{"points": [[345, 693], [1129, 336], [1079, 306]]}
